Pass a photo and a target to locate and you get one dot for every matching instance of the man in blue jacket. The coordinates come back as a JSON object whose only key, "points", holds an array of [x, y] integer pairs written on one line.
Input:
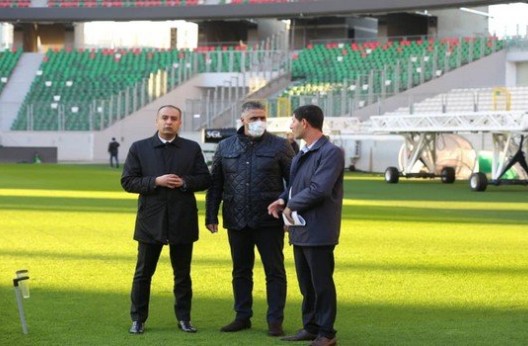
{"points": [[165, 170], [315, 193]]}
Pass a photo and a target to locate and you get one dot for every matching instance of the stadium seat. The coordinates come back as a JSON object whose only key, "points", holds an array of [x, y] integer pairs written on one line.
{"points": [[112, 3], [103, 85], [8, 61], [339, 68], [15, 3]]}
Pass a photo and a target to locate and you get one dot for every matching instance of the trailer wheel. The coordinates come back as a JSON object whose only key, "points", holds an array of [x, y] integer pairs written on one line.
{"points": [[392, 175], [478, 181], [448, 175]]}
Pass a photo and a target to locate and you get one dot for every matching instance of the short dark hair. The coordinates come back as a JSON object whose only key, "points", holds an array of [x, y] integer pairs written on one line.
{"points": [[313, 115], [170, 106], [248, 105]]}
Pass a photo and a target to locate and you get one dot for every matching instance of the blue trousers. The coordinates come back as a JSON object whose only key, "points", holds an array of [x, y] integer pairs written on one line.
{"points": [[315, 267]]}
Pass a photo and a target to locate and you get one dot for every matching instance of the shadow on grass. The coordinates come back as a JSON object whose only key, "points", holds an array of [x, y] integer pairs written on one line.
{"points": [[226, 263], [44, 204], [356, 212], [101, 318], [444, 215], [53, 255]]}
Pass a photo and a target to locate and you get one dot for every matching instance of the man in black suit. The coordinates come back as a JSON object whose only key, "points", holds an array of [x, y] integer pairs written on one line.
{"points": [[165, 170], [113, 149]]}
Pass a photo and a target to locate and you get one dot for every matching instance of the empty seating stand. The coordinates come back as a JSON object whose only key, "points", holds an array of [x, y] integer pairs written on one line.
{"points": [[224, 58], [84, 90], [15, 3], [237, 2], [471, 100], [145, 3], [8, 61], [379, 68], [119, 3]]}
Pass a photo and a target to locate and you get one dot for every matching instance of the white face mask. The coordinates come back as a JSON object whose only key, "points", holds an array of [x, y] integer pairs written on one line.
{"points": [[256, 128]]}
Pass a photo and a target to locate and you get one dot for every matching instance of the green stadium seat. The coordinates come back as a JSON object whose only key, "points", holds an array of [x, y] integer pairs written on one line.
{"points": [[8, 61], [97, 80], [387, 68]]}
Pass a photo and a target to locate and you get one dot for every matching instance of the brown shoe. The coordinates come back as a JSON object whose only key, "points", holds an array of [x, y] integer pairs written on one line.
{"points": [[302, 335], [275, 329], [324, 341], [236, 326]]}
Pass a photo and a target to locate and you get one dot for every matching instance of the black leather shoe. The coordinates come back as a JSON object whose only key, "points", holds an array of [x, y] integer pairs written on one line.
{"points": [[187, 327], [137, 327], [275, 329], [236, 325], [302, 335]]}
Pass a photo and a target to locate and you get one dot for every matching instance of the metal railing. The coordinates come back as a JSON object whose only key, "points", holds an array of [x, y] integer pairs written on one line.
{"points": [[250, 70], [79, 114]]}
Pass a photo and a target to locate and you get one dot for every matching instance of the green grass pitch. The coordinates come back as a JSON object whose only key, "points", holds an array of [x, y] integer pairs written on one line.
{"points": [[419, 263]]}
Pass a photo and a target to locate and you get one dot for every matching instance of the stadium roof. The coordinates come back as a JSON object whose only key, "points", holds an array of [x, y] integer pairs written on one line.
{"points": [[225, 11]]}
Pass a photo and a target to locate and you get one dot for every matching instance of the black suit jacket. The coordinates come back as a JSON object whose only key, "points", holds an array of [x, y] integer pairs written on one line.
{"points": [[165, 215]]}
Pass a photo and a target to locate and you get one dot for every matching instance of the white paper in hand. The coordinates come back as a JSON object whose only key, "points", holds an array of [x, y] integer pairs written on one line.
{"points": [[298, 220]]}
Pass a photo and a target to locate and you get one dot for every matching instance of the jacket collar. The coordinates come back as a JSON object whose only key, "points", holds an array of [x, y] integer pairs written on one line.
{"points": [[319, 143], [156, 141]]}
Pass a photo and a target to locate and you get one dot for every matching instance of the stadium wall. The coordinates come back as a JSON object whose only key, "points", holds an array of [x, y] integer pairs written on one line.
{"points": [[517, 68], [453, 22], [222, 11]]}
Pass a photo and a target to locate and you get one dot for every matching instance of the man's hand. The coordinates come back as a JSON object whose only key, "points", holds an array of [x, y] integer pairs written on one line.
{"points": [[276, 208], [170, 181], [212, 227], [287, 212]]}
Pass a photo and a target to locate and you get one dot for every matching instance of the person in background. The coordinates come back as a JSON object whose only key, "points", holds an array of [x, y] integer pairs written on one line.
{"points": [[249, 171], [165, 170], [315, 192], [113, 149], [293, 142]]}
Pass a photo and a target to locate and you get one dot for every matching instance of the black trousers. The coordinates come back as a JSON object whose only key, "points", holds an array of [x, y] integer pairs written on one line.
{"points": [[315, 267], [147, 260], [113, 158], [270, 243]]}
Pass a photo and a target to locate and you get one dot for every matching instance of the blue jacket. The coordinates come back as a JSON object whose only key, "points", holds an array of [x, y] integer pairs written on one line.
{"points": [[316, 187]]}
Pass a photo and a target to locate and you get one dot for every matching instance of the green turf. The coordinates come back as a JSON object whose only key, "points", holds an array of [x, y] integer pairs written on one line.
{"points": [[420, 263]]}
